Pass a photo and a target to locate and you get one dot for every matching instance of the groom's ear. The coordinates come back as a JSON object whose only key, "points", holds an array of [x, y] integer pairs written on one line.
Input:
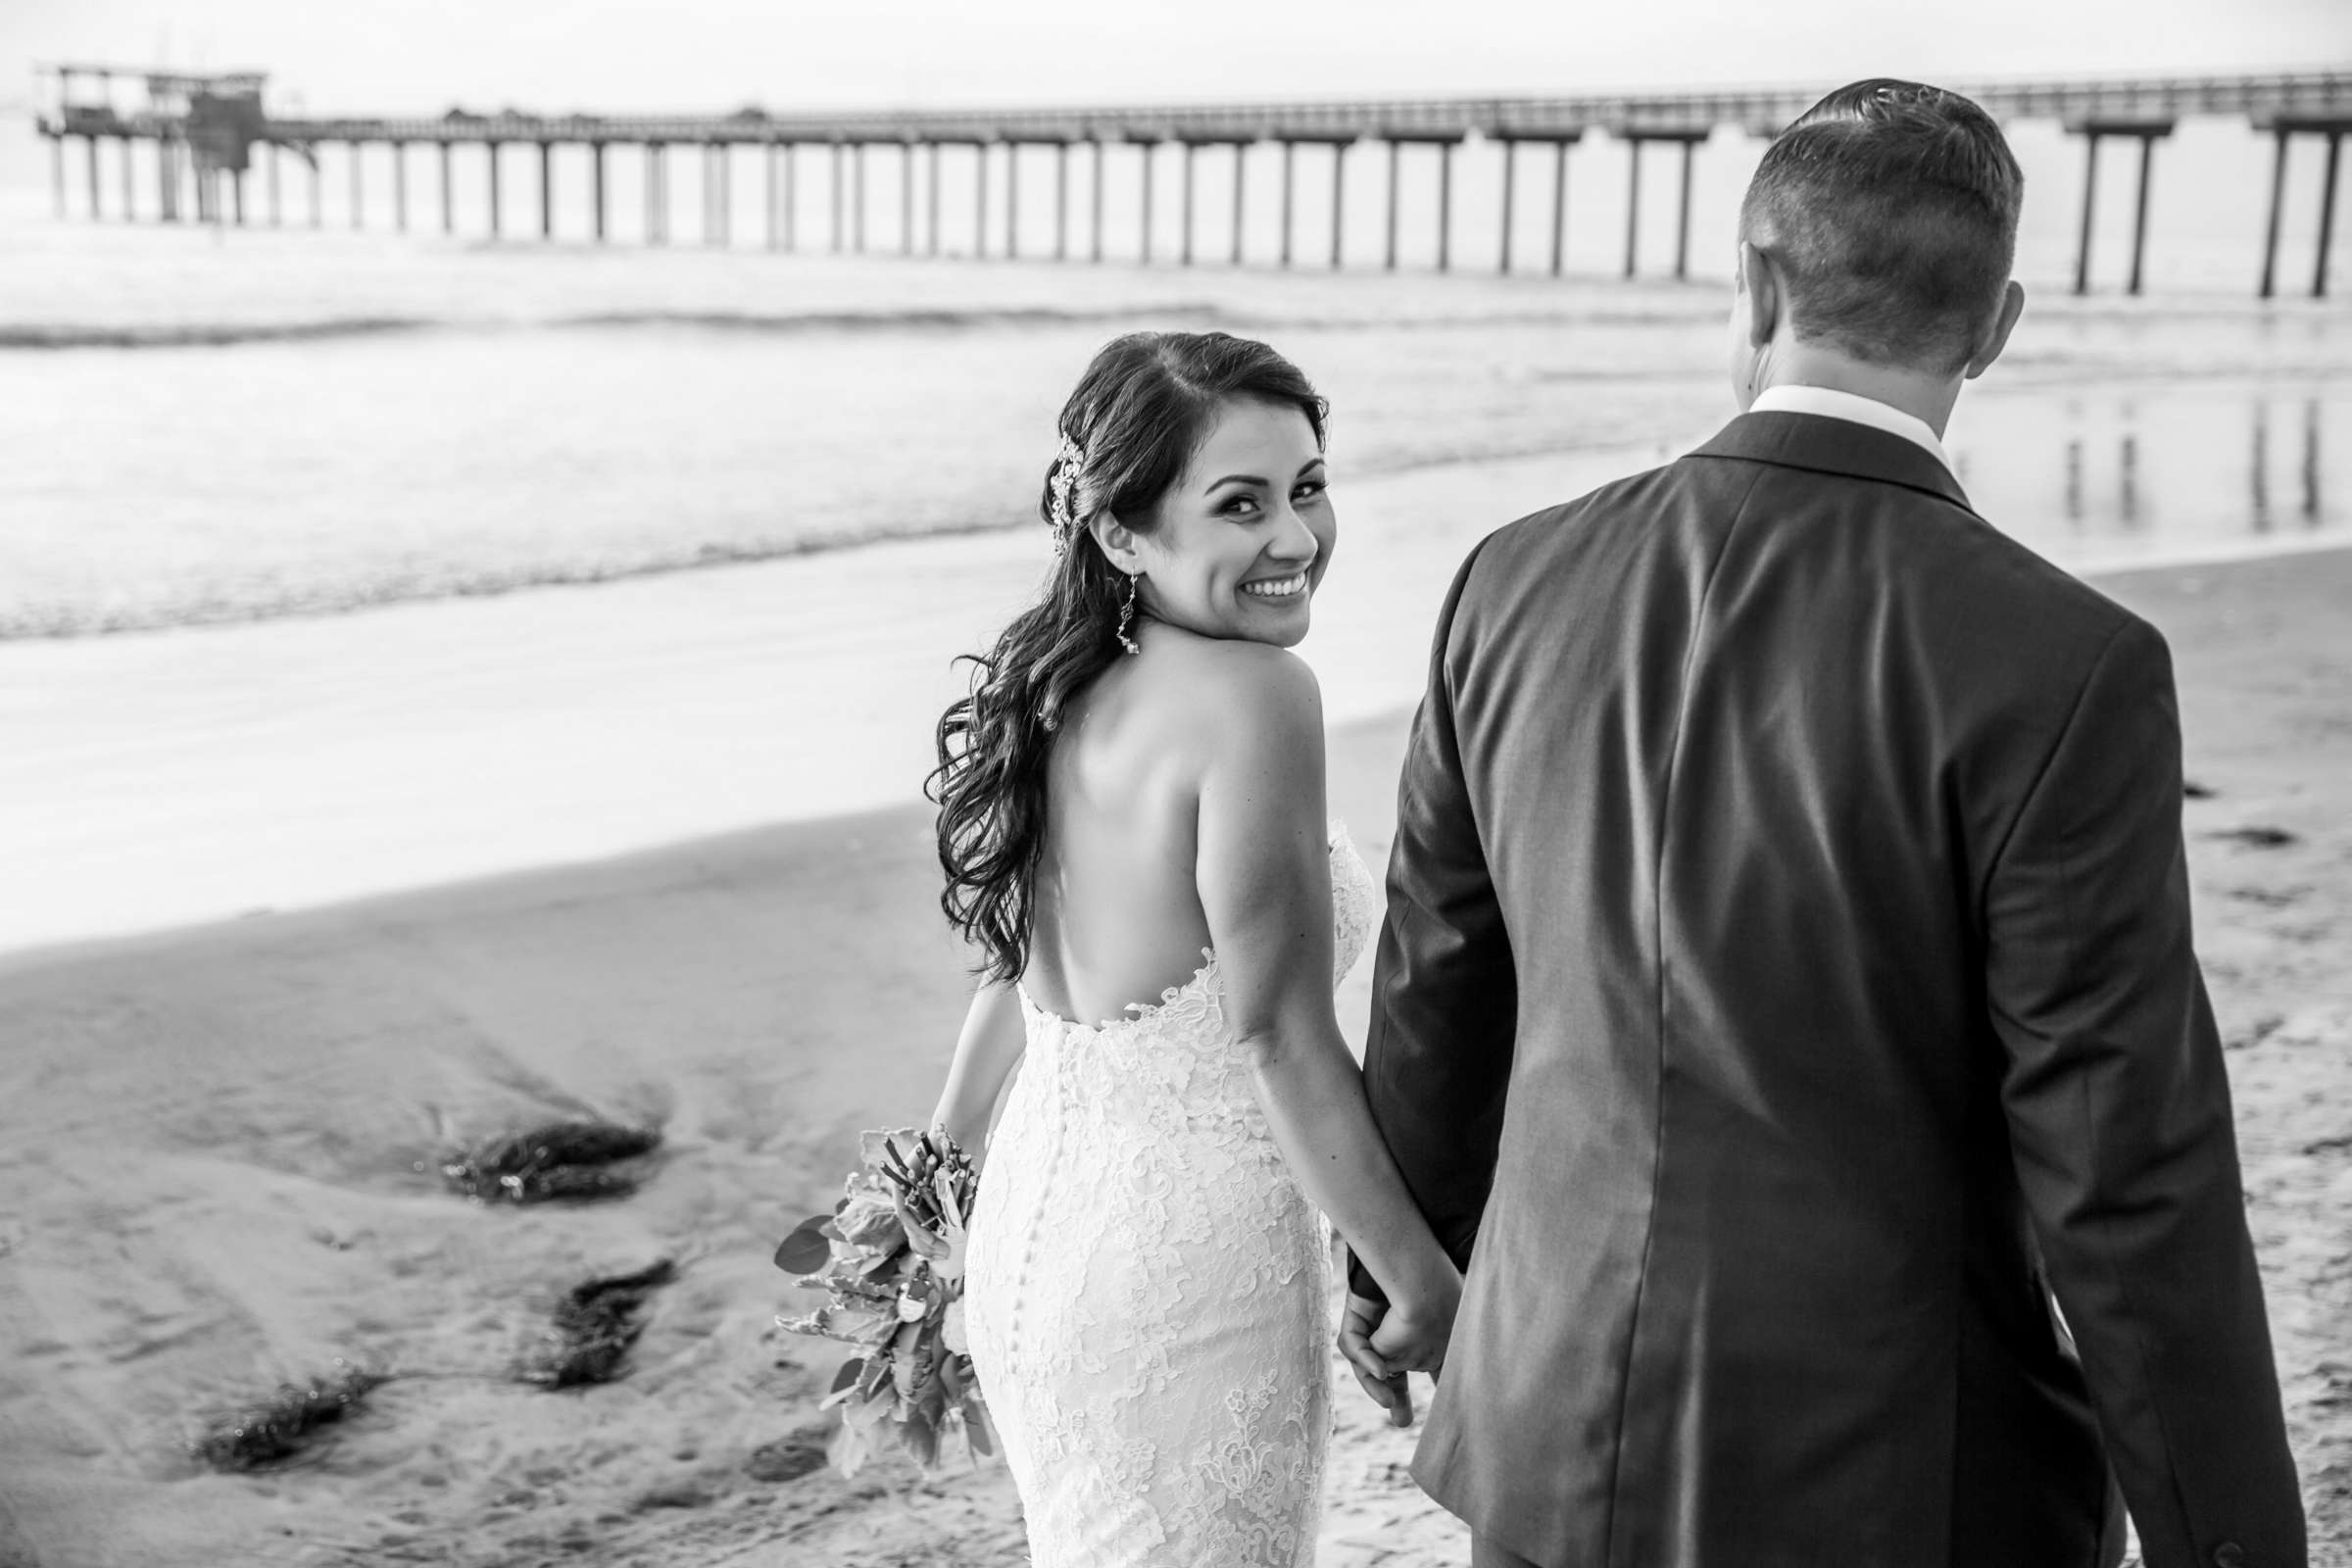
{"points": [[1760, 298], [1996, 337]]}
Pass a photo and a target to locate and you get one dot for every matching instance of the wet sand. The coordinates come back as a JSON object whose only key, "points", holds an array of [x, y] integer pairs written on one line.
{"points": [[215, 1145]]}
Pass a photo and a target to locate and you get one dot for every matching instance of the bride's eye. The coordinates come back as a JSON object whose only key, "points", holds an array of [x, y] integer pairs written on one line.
{"points": [[1239, 506], [1308, 489]]}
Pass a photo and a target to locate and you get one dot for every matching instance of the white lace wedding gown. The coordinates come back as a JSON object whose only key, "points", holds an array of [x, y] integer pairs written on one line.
{"points": [[1148, 1292]]}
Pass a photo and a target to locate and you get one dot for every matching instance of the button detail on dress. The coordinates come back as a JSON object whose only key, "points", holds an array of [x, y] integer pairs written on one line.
{"points": [[2229, 1555]]}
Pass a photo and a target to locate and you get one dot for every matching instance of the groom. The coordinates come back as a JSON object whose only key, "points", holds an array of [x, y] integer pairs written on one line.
{"points": [[1787, 983]]}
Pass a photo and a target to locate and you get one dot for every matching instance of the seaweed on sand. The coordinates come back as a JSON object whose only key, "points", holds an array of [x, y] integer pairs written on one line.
{"points": [[595, 1325], [278, 1427], [574, 1160]]}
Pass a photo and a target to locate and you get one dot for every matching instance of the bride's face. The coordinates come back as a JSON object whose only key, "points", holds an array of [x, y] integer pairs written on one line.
{"points": [[1244, 538]]}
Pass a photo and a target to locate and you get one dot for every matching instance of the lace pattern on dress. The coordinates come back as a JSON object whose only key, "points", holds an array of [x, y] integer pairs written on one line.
{"points": [[1147, 1288]]}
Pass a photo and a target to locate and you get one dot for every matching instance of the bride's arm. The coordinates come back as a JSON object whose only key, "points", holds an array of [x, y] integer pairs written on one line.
{"points": [[986, 1054], [1264, 877]]}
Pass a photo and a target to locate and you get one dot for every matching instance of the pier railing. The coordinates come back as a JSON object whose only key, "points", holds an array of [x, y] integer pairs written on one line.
{"points": [[212, 125]]}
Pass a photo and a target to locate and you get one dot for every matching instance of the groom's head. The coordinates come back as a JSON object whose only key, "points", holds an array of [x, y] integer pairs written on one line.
{"points": [[1883, 223]]}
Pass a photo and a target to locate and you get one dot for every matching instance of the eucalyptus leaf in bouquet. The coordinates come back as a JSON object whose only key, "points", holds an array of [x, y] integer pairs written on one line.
{"points": [[890, 1260]]}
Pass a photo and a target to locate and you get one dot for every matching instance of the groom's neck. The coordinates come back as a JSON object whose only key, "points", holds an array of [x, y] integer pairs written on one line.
{"points": [[1922, 395]]}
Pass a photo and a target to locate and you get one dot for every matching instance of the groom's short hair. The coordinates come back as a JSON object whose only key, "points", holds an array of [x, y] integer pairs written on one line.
{"points": [[1891, 209]]}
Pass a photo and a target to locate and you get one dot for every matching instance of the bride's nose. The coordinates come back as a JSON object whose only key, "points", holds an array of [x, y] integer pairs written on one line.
{"points": [[1293, 540]]}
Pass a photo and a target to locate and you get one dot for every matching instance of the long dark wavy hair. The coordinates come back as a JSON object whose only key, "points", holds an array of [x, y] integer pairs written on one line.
{"points": [[1138, 413]]}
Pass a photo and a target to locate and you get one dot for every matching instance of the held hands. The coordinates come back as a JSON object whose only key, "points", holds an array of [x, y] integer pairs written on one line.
{"points": [[1384, 1342]]}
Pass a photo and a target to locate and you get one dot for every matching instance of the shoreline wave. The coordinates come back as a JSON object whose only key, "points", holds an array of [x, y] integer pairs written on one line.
{"points": [[39, 337], [233, 604], [1474, 314]]}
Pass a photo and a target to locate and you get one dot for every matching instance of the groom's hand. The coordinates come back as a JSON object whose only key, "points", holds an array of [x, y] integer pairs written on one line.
{"points": [[1386, 1388]]}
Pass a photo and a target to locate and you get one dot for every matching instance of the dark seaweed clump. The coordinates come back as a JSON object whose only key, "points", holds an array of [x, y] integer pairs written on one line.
{"points": [[278, 1427], [575, 1160], [594, 1327]]}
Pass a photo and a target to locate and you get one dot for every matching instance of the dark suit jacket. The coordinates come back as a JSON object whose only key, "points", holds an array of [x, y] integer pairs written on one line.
{"points": [[1787, 986]]}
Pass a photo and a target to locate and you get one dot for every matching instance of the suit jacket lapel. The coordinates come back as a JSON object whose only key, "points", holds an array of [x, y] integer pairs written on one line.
{"points": [[1823, 444]]}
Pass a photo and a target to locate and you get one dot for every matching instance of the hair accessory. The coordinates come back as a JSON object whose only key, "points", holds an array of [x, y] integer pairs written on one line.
{"points": [[1067, 461]]}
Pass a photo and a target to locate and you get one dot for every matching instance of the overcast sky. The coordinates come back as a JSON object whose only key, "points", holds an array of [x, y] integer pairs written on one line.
{"points": [[361, 56]]}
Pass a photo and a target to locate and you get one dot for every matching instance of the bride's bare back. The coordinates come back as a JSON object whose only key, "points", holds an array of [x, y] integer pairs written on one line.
{"points": [[1117, 918]]}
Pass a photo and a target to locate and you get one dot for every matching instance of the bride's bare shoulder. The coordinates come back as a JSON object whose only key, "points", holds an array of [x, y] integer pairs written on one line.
{"points": [[1245, 691]]}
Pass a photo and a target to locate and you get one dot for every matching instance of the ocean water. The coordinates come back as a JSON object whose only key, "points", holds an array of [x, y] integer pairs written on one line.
{"points": [[210, 427], [280, 512]]}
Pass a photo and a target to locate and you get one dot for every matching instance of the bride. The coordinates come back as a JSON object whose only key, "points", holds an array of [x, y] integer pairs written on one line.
{"points": [[1131, 807]]}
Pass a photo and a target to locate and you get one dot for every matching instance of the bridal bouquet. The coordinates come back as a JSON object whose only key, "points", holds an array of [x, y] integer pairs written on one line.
{"points": [[890, 1260]]}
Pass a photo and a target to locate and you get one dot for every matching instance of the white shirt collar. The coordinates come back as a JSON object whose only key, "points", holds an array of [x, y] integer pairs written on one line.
{"points": [[1837, 405]]}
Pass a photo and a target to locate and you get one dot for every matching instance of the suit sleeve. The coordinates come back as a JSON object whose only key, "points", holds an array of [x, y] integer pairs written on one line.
{"points": [[1445, 996], [2120, 1124]]}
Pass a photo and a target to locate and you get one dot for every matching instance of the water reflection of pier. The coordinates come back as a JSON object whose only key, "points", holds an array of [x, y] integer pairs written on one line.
{"points": [[2297, 506], [206, 129]]}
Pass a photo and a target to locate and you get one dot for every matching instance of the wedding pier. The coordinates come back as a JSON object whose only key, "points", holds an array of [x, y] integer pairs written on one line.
{"points": [[205, 133]]}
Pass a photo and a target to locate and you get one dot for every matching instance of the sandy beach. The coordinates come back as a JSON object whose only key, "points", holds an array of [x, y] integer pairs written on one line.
{"points": [[217, 1145]]}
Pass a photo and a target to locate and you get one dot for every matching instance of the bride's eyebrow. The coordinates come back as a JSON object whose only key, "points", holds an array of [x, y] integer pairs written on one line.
{"points": [[1238, 479]]}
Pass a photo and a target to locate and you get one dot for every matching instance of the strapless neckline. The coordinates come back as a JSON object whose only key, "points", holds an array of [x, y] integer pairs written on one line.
{"points": [[1137, 1012], [1342, 848]]}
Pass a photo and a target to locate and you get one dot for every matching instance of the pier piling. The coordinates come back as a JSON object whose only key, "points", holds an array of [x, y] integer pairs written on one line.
{"points": [[836, 196], [491, 150], [358, 205], [1389, 259], [1510, 168], [1012, 200], [1062, 201], [449, 204], [1559, 204], [980, 183], [1185, 253], [656, 194], [547, 189], [90, 146], [1240, 173], [318, 180], [1633, 208], [57, 175], [2319, 271], [2270, 244], [931, 201], [1445, 205], [277, 213], [1689, 137], [1147, 148], [1681, 221], [1093, 212], [236, 191], [130, 197], [2147, 131], [858, 197], [596, 189], [1289, 158], [2139, 213], [792, 197], [1339, 201]]}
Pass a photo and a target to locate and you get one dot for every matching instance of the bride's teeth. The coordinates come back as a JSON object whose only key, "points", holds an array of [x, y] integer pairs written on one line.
{"points": [[1278, 588]]}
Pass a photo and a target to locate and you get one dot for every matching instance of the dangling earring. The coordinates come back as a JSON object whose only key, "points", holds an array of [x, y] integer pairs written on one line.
{"points": [[1127, 617]]}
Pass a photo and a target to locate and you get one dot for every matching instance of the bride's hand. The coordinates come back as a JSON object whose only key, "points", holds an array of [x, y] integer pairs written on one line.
{"points": [[1413, 1335]]}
